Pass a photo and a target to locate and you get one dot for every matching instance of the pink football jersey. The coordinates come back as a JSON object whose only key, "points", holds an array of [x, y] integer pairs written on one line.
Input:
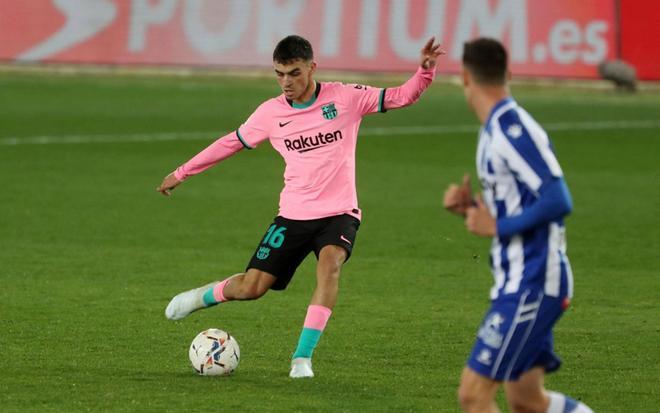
{"points": [[317, 140]]}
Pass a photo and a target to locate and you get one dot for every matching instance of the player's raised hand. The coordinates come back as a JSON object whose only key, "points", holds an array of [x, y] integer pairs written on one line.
{"points": [[169, 183], [457, 198], [430, 53], [479, 221]]}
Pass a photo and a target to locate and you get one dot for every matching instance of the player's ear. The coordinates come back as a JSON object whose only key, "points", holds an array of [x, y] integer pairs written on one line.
{"points": [[508, 75], [312, 68], [465, 75]]}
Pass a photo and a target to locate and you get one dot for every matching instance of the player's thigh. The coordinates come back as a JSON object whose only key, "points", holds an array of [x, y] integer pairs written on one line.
{"points": [[527, 393], [476, 389], [340, 231], [282, 248]]}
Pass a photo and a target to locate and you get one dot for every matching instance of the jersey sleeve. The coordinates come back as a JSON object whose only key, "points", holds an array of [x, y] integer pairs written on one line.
{"points": [[527, 151], [255, 129], [368, 99], [221, 149], [248, 135], [365, 99]]}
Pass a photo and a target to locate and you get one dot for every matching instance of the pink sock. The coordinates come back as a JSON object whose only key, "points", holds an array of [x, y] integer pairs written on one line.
{"points": [[317, 317], [218, 290]]}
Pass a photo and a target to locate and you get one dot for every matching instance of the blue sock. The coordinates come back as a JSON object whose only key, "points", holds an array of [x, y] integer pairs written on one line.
{"points": [[209, 299], [309, 337]]}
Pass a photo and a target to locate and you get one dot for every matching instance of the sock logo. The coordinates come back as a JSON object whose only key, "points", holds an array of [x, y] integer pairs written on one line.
{"points": [[310, 143]]}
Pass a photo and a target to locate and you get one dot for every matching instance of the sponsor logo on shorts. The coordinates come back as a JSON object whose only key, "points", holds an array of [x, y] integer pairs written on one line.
{"points": [[485, 357], [343, 238], [490, 333], [263, 253]]}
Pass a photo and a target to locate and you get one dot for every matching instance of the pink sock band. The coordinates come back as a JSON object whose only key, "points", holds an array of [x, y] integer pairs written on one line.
{"points": [[317, 317], [217, 290]]}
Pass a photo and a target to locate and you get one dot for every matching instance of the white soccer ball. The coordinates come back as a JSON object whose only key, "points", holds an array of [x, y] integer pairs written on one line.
{"points": [[214, 353]]}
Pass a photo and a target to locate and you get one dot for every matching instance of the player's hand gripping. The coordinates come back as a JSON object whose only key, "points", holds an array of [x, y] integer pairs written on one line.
{"points": [[430, 53], [169, 183], [479, 221], [457, 198]]}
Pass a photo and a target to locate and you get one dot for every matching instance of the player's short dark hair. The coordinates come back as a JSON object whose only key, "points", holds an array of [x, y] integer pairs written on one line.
{"points": [[487, 60], [292, 48]]}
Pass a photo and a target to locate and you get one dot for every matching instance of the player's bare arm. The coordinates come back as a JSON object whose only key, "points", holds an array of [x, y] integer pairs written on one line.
{"points": [[169, 183], [479, 221], [430, 53], [458, 198]]}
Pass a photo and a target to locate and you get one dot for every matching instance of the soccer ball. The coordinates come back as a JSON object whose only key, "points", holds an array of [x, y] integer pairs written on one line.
{"points": [[214, 353]]}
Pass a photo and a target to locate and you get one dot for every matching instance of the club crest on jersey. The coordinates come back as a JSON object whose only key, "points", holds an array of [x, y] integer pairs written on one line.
{"points": [[329, 111]]}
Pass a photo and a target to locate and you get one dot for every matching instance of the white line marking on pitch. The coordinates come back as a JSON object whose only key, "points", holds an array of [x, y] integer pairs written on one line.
{"points": [[368, 131]]}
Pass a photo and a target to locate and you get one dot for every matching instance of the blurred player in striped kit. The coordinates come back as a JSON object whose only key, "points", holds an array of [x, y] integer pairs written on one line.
{"points": [[525, 200]]}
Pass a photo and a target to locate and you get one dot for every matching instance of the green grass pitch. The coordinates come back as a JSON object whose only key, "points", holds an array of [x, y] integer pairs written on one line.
{"points": [[90, 253]]}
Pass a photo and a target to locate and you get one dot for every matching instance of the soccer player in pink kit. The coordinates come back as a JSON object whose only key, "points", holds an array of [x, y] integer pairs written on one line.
{"points": [[314, 127]]}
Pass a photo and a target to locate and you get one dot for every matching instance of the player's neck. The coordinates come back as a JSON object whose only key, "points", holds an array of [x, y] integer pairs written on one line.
{"points": [[308, 94], [485, 101]]}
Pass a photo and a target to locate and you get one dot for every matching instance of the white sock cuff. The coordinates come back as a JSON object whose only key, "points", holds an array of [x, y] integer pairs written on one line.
{"points": [[557, 402]]}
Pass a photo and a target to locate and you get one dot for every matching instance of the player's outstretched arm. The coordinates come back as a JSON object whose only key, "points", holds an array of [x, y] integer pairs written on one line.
{"points": [[214, 153]]}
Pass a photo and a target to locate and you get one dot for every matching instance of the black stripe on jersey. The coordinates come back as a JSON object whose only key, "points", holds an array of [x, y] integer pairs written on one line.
{"points": [[240, 138], [381, 101]]}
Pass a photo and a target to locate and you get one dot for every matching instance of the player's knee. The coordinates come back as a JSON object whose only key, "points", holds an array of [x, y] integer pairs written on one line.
{"points": [[331, 260], [467, 398]]}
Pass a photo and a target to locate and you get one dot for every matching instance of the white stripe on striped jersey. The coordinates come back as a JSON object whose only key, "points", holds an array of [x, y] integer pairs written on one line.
{"points": [[569, 274], [525, 172], [553, 262], [516, 255], [540, 139], [498, 272]]}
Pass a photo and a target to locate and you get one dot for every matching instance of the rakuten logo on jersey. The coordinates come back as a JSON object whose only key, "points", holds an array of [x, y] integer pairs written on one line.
{"points": [[309, 143]]}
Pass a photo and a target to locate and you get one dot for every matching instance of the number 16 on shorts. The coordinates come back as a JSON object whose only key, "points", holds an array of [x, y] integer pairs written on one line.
{"points": [[274, 239]]}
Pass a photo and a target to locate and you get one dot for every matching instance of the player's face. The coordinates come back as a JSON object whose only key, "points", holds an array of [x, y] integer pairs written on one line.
{"points": [[295, 78]]}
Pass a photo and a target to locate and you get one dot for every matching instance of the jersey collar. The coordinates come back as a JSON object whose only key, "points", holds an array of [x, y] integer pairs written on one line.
{"points": [[309, 103], [499, 105]]}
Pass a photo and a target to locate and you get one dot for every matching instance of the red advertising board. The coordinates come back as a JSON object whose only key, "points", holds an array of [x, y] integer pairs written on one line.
{"points": [[558, 38], [640, 36]]}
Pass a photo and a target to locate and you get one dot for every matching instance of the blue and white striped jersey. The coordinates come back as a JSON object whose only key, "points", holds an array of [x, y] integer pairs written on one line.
{"points": [[515, 160]]}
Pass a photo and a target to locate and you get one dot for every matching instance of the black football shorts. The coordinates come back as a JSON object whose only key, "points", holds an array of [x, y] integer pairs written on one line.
{"points": [[287, 242]]}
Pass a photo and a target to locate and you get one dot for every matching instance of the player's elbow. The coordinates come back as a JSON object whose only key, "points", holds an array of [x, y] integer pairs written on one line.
{"points": [[566, 199]]}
